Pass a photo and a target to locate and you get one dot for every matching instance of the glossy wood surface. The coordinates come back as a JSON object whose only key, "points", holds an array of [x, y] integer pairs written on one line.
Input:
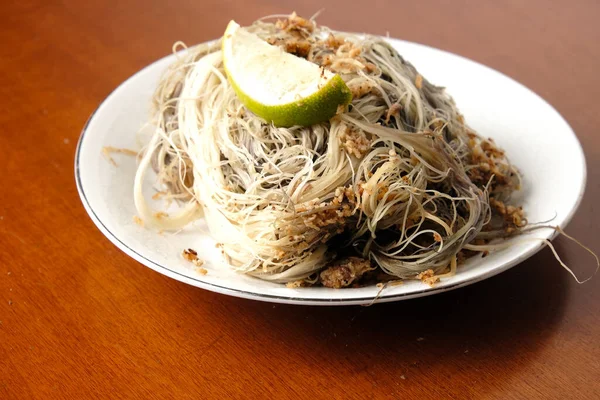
{"points": [[79, 319]]}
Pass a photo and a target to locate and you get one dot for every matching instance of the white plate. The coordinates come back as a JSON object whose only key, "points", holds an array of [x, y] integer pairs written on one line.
{"points": [[536, 138]]}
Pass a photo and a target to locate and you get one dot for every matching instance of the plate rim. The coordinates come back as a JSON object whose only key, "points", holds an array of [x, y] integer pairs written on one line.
{"points": [[296, 300]]}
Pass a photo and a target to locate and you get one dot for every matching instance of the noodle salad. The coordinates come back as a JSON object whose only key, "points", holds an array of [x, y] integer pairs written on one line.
{"points": [[396, 185]]}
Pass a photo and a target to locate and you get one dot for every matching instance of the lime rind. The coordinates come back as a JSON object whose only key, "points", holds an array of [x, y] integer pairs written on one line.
{"points": [[320, 106], [313, 109]]}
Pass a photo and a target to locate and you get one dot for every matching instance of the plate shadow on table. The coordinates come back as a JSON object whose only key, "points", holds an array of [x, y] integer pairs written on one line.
{"points": [[507, 318]]}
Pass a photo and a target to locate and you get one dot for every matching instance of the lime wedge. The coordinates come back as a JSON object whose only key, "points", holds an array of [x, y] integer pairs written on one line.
{"points": [[277, 86]]}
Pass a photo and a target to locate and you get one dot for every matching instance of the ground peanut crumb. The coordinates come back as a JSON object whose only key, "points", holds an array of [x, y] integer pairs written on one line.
{"points": [[419, 81], [361, 89], [192, 256], [342, 273], [296, 25], [295, 284], [428, 277], [354, 142], [198, 262]]}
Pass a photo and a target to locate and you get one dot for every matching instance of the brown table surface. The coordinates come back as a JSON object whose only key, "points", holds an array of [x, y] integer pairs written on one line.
{"points": [[80, 319]]}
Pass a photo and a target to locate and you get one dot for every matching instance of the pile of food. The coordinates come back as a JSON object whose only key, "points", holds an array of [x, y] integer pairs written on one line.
{"points": [[364, 172]]}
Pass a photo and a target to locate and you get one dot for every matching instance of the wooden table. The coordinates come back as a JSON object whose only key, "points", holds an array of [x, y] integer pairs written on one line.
{"points": [[79, 319]]}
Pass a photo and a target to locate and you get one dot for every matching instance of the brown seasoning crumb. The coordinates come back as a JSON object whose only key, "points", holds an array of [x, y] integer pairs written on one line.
{"points": [[192, 256], [355, 142], [295, 284], [428, 277], [342, 273], [419, 81]]}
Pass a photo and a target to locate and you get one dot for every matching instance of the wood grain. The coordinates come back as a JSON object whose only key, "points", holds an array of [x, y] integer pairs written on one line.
{"points": [[79, 319]]}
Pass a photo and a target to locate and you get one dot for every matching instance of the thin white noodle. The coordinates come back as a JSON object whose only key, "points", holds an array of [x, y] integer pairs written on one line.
{"points": [[391, 171]]}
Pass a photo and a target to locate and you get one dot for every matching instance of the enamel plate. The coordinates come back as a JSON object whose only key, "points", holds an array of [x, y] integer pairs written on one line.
{"points": [[536, 139]]}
